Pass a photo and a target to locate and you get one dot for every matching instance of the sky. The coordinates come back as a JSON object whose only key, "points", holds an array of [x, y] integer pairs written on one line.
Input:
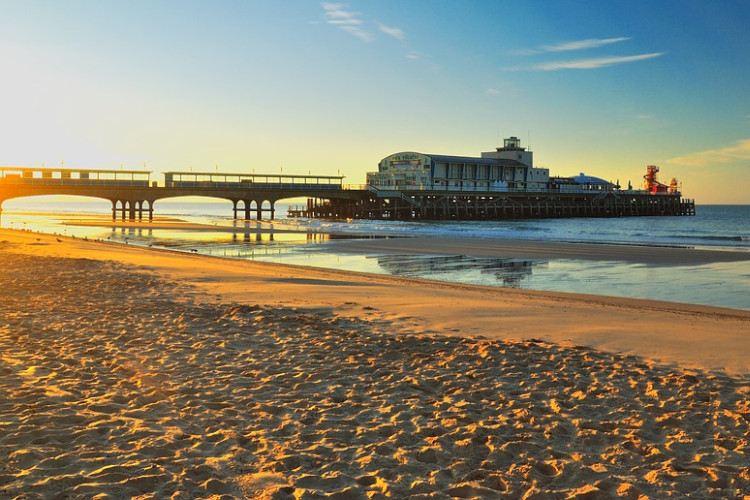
{"points": [[331, 88]]}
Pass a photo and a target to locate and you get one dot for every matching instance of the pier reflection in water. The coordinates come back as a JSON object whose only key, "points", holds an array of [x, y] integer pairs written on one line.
{"points": [[238, 242], [507, 272]]}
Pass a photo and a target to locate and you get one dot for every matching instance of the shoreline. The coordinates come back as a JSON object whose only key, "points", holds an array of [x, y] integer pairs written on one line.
{"points": [[131, 371], [690, 332], [544, 247], [478, 246], [682, 274]]}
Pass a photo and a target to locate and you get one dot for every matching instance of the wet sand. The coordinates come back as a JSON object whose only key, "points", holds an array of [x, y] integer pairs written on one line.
{"points": [[134, 372], [478, 247]]}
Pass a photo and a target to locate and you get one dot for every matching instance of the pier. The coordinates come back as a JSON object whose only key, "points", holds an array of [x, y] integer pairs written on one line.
{"points": [[133, 193]]}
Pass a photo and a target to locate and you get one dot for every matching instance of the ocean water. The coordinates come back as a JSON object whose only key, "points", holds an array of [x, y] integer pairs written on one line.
{"points": [[306, 242]]}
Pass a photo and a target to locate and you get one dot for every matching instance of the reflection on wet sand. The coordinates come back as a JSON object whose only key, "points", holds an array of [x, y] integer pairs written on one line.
{"points": [[508, 272]]}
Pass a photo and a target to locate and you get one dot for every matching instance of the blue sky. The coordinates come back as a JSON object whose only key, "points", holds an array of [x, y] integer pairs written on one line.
{"points": [[604, 88]]}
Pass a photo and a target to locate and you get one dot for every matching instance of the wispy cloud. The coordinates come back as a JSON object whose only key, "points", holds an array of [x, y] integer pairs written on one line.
{"points": [[396, 33], [338, 15], [590, 43], [599, 62], [576, 45], [740, 151]]}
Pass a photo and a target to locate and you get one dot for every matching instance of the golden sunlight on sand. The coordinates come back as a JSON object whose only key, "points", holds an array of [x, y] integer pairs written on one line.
{"points": [[133, 373]]}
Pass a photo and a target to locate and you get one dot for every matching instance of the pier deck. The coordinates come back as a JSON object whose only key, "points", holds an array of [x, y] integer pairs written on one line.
{"points": [[133, 194]]}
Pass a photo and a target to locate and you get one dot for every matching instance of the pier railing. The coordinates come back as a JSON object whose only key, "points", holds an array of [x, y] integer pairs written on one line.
{"points": [[74, 182], [217, 180], [501, 189]]}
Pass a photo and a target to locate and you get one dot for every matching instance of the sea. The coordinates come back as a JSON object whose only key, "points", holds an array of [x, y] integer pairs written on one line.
{"points": [[309, 243]]}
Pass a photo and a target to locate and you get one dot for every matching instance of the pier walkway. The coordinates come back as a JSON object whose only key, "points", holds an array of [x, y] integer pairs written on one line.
{"points": [[133, 193]]}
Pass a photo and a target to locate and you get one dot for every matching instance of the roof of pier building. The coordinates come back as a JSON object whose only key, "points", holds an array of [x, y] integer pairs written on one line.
{"points": [[589, 179], [450, 159], [505, 162], [511, 154]]}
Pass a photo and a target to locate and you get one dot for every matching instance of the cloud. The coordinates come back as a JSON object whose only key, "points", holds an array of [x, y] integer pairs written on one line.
{"points": [[589, 43], [600, 62], [396, 33], [591, 63], [740, 151], [338, 15]]}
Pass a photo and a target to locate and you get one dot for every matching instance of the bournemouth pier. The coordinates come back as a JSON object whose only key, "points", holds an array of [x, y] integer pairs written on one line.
{"points": [[501, 184]]}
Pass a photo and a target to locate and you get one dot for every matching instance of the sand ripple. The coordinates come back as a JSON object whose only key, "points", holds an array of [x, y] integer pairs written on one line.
{"points": [[117, 384]]}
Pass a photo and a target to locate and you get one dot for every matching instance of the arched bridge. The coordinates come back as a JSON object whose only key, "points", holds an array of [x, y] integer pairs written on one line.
{"points": [[133, 194]]}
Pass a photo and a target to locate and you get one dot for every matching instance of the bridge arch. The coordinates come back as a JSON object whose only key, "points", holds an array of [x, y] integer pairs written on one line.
{"points": [[181, 202], [128, 209], [267, 206], [132, 209], [24, 201]]}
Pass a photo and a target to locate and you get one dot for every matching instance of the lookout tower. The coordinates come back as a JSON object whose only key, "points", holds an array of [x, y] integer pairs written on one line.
{"points": [[512, 150], [511, 144]]}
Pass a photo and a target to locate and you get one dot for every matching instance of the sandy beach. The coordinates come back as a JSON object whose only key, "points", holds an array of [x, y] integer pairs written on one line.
{"points": [[134, 372]]}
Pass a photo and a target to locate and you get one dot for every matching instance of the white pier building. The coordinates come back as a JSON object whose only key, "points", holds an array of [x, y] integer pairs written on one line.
{"points": [[509, 167]]}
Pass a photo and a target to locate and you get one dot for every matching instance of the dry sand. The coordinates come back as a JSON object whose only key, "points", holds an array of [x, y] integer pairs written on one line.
{"points": [[129, 372]]}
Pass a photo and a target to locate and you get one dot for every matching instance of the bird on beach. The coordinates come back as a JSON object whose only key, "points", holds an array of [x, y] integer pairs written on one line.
{"points": [[58, 240]]}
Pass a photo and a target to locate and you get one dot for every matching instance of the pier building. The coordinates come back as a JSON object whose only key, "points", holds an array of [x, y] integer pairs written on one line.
{"points": [[508, 167], [500, 184]]}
